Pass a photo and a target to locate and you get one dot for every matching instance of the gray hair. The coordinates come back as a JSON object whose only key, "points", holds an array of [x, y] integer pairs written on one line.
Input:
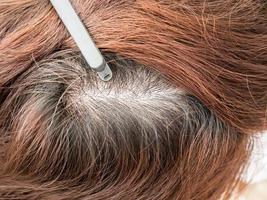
{"points": [[134, 137]]}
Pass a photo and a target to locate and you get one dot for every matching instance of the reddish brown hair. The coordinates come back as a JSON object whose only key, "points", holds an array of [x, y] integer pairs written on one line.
{"points": [[194, 137]]}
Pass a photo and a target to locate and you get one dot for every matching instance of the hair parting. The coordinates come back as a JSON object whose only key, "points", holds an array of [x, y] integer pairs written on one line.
{"points": [[176, 121]]}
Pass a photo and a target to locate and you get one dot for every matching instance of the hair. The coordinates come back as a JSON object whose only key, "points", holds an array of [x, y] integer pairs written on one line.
{"points": [[175, 122]]}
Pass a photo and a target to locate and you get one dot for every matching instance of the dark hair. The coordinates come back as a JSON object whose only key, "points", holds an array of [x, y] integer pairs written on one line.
{"points": [[175, 122]]}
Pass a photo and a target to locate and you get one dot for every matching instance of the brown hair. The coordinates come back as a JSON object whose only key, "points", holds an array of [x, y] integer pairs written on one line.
{"points": [[175, 122]]}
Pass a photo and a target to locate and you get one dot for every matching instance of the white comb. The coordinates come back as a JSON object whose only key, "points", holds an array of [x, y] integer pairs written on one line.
{"points": [[82, 38]]}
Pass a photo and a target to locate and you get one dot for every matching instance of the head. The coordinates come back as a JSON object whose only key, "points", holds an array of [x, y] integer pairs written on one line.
{"points": [[175, 122]]}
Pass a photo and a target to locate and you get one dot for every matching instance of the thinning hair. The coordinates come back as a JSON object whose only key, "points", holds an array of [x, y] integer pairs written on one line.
{"points": [[175, 122]]}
